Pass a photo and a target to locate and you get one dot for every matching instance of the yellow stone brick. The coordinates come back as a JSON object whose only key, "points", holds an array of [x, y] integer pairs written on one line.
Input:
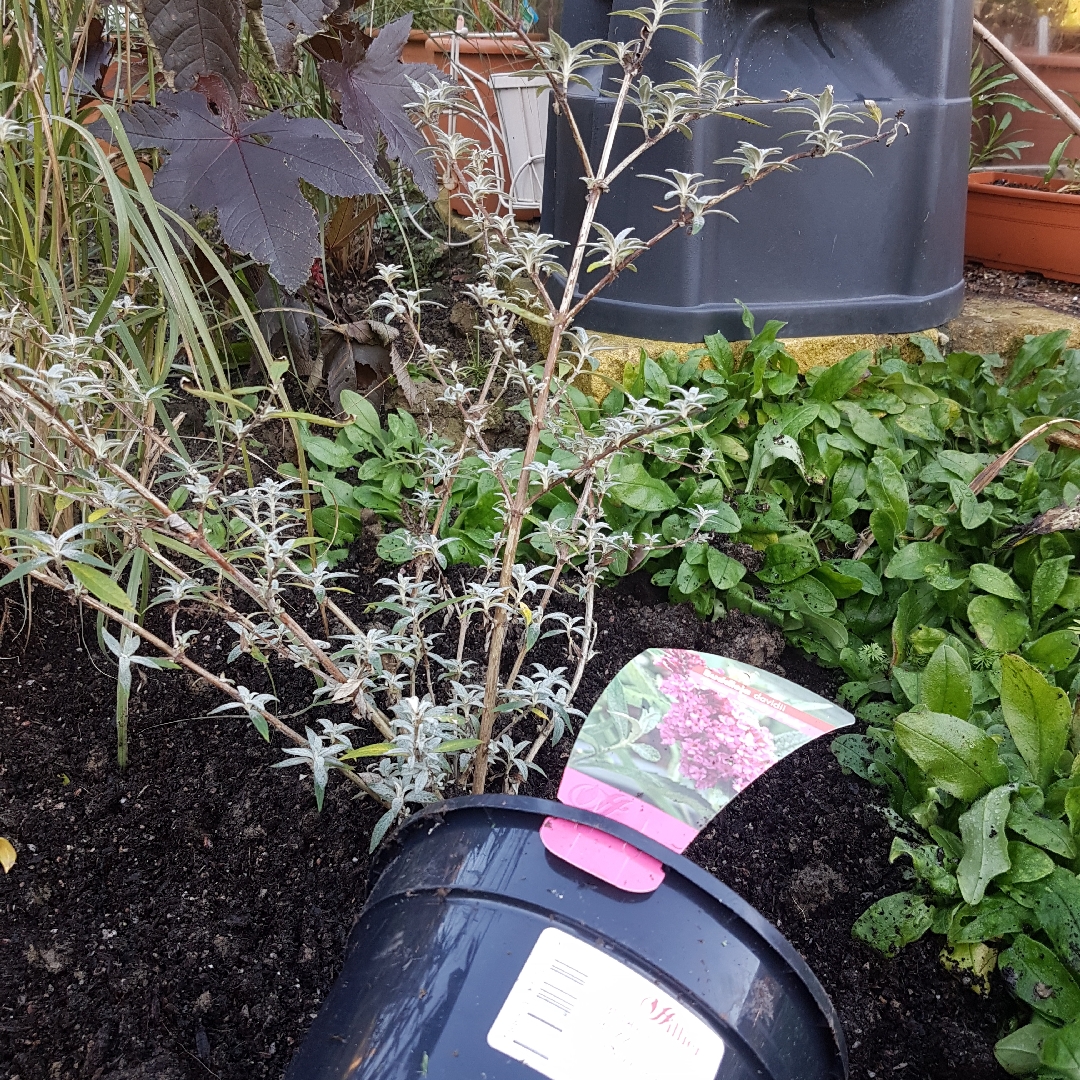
{"points": [[615, 351]]}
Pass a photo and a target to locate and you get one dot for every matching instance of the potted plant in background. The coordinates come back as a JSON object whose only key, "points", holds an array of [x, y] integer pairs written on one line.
{"points": [[1045, 35], [1022, 219], [503, 107]]}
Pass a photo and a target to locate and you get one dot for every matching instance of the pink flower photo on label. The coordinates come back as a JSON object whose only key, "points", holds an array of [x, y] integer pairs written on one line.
{"points": [[721, 738]]}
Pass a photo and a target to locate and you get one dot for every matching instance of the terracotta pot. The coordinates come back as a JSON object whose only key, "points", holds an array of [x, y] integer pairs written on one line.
{"points": [[1023, 226], [1061, 72], [486, 58]]}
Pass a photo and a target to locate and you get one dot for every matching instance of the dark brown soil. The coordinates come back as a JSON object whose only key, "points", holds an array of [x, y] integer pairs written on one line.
{"points": [[184, 919], [1063, 296]]}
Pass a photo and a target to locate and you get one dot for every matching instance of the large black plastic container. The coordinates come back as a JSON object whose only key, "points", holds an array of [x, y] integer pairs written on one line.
{"points": [[467, 892], [830, 249]]}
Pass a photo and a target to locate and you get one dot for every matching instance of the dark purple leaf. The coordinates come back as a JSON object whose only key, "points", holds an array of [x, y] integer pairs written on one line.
{"points": [[96, 54], [249, 171], [375, 90], [286, 20], [197, 38]]}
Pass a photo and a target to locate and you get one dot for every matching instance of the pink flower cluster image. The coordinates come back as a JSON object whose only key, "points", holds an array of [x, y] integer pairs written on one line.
{"points": [[721, 738]]}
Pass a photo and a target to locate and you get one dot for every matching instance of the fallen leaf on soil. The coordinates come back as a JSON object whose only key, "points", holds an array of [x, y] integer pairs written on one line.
{"points": [[355, 357], [7, 854]]}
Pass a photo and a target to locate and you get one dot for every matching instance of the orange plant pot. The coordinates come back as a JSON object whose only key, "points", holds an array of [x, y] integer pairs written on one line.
{"points": [[487, 57], [1023, 226]]}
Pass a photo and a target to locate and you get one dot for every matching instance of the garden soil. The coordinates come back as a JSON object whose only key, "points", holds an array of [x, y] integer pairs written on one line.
{"points": [[186, 918], [1030, 287]]}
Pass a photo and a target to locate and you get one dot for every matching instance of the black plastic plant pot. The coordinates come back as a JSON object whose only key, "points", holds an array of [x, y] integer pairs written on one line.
{"points": [[830, 249], [482, 956]]}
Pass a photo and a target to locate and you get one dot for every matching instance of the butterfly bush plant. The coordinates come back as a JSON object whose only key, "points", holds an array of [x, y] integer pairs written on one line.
{"points": [[245, 550]]}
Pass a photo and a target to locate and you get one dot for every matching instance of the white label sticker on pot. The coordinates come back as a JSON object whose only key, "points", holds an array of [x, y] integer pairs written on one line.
{"points": [[576, 1013]]}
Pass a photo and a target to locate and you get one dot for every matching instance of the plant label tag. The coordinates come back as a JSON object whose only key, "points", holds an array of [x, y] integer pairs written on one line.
{"points": [[577, 1013]]}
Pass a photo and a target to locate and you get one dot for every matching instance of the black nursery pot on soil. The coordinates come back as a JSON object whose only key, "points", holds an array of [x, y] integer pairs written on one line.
{"points": [[480, 954]]}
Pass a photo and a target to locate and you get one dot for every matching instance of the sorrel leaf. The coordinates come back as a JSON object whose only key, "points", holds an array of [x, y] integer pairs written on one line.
{"points": [[1036, 976], [946, 683], [250, 172], [959, 757], [1058, 908], [893, 922], [1018, 1053], [1037, 715], [374, 88], [1061, 1052], [1052, 835], [986, 852]]}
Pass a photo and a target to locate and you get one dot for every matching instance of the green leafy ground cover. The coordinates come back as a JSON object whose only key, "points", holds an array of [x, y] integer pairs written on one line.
{"points": [[839, 505]]}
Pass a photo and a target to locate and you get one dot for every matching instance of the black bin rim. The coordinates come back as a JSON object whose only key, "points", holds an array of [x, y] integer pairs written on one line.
{"points": [[434, 813]]}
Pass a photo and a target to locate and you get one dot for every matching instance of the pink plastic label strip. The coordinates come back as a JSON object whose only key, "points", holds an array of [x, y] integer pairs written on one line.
{"points": [[603, 856]]}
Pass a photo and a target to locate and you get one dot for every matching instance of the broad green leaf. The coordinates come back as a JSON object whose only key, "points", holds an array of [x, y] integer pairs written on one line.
{"points": [[724, 571], [1069, 598], [1061, 1052], [956, 756], [720, 352], [883, 526], [327, 452], [840, 585], [1072, 809], [990, 579], [940, 578], [1036, 976], [1026, 863], [995, 916], [1037, 715], [1047, 584], [1054, 651], [918, 421], [358, 406], [636, 488], [926, 865], [722, 518], [911, 561], [997, 625], [849, 481], [1041, 831], [855, 753], [806, 593], [866, 426], [1036, 352], [1018, 1053], [1057, 906], [888, 490], [893, 922], [789, 558], [946, 683], [972, 512], [690, 578], [986, 853], [949, 842], [861, 570], [836, 381], [101, 585], [762, 514]]}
